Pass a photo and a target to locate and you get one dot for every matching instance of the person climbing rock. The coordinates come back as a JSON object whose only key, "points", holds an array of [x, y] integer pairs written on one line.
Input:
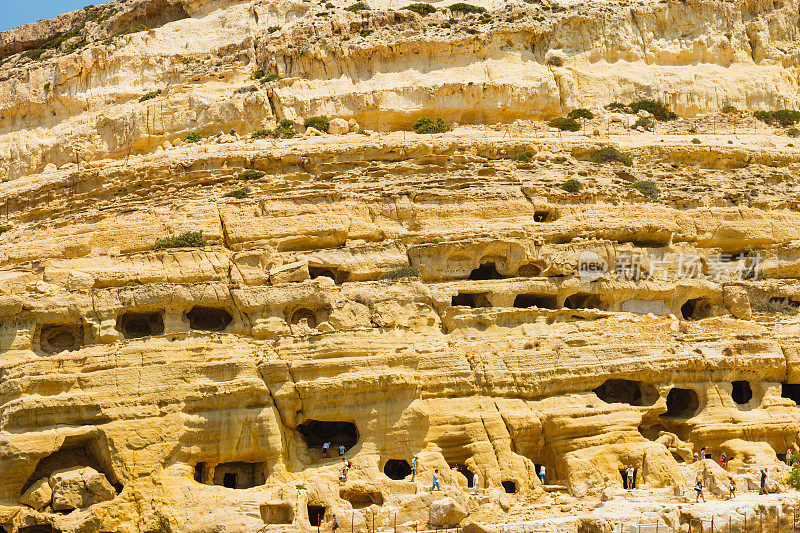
{"points": [[732, 488], [764, 477], [435, 485], [698, 488], [345, 469], [335, 524], [413, 468]]}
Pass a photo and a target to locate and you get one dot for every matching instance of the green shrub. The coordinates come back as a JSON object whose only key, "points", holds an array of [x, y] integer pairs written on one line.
{"points": [[239, 194], [189, 239], [149, 96], [261, 133], [565, 124], [270, 77], [793, 132], [285, 129], [781, 117], [258, 74], [696, 141], [580, 113], [461, 7], [692, 130], [648, 189], [572, 185], [131, 29], [365, 32], [251, 174], [615, 106], [320, 123], [471, 31], [774, 306], [555, 61], [727, 108], [358, 6], [641, 122], [193, 137], [421, 8], [273, 29], [429, 125], [400, 273], [47, 87], [609, 154], [659, 110], [4, 229], [523, 157], [34, 54], [794, 475]]}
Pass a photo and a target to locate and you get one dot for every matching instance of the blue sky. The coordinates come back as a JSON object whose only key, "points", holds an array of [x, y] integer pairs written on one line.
{"points": [[17, 12]]}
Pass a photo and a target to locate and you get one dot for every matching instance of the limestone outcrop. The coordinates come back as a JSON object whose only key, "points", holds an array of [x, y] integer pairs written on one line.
{"points": [[223, 247]]}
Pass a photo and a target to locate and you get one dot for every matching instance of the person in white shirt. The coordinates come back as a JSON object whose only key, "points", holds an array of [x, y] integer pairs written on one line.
{"points": [[541, 474], [475, 483]]}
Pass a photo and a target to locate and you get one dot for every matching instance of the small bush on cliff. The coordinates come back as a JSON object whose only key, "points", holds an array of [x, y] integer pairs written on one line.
{"points": [[400, 273], [461, 7], [609, 154], [794, 475], [251, 174], [696, 141], [131, 29], [727, 108], [193, 137], [565, 124], [580, 113], [421, 8], [781, 117], [523, 157], [572, 185], [285, 129], [320, 123], [270, 77], [149, 96], [555, 61], [239, 194], [358, 6], [648, 189], [774, 306], [659, 110], [261, 133], [273, 29], [189, 239], [641, 122], [793, 132], [429, 125], [258, 74]]}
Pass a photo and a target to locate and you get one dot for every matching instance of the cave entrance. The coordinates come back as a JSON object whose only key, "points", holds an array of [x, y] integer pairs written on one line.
{"points": [[361, 498], [791, 391], [316, 513], [584, 300], [37, 529], [200, 472], [541, 215], [335, 274], [509, 486], [474, 301], [542, 301], [56, 338], [624, 475], [529, 271], [485, 271], [208, 318], [681, 403], [304, 315], [240, 475], [318, 432], [138, 325], [464, 471], [76, 451], [741, 392], [397, 469], [277, 513], [696, 309], [627, 391]]}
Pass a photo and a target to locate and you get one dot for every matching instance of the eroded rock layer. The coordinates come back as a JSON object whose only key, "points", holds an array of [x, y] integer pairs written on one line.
{"points": [[446, 297]]}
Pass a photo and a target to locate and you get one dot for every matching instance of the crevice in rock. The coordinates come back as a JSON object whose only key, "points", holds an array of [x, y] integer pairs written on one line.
{"points": [[681, 403], [208, 318]]}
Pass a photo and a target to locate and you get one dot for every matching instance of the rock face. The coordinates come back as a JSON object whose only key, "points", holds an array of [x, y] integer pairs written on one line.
{"points": [[195, 298]]}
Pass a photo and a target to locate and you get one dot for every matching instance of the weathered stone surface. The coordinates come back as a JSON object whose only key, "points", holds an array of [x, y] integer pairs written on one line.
{"points": [[446, 512], [39, 495], [79, 487]]}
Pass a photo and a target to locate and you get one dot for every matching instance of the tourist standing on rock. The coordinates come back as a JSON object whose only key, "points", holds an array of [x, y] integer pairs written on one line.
{"points": [[732, 491], [630, 475], [695, 457], [475, 483], [435, 485], [335, 524], [541, 473], [413, 468], [723, 461], [325, 447], [345, 469], [698, 488], [702, 453], [342, 449], [789, 456], [764, 477]]}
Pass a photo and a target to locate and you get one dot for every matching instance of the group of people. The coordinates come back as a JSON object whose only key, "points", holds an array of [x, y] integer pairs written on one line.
{"points": [[698, 486], [326, 448]]}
